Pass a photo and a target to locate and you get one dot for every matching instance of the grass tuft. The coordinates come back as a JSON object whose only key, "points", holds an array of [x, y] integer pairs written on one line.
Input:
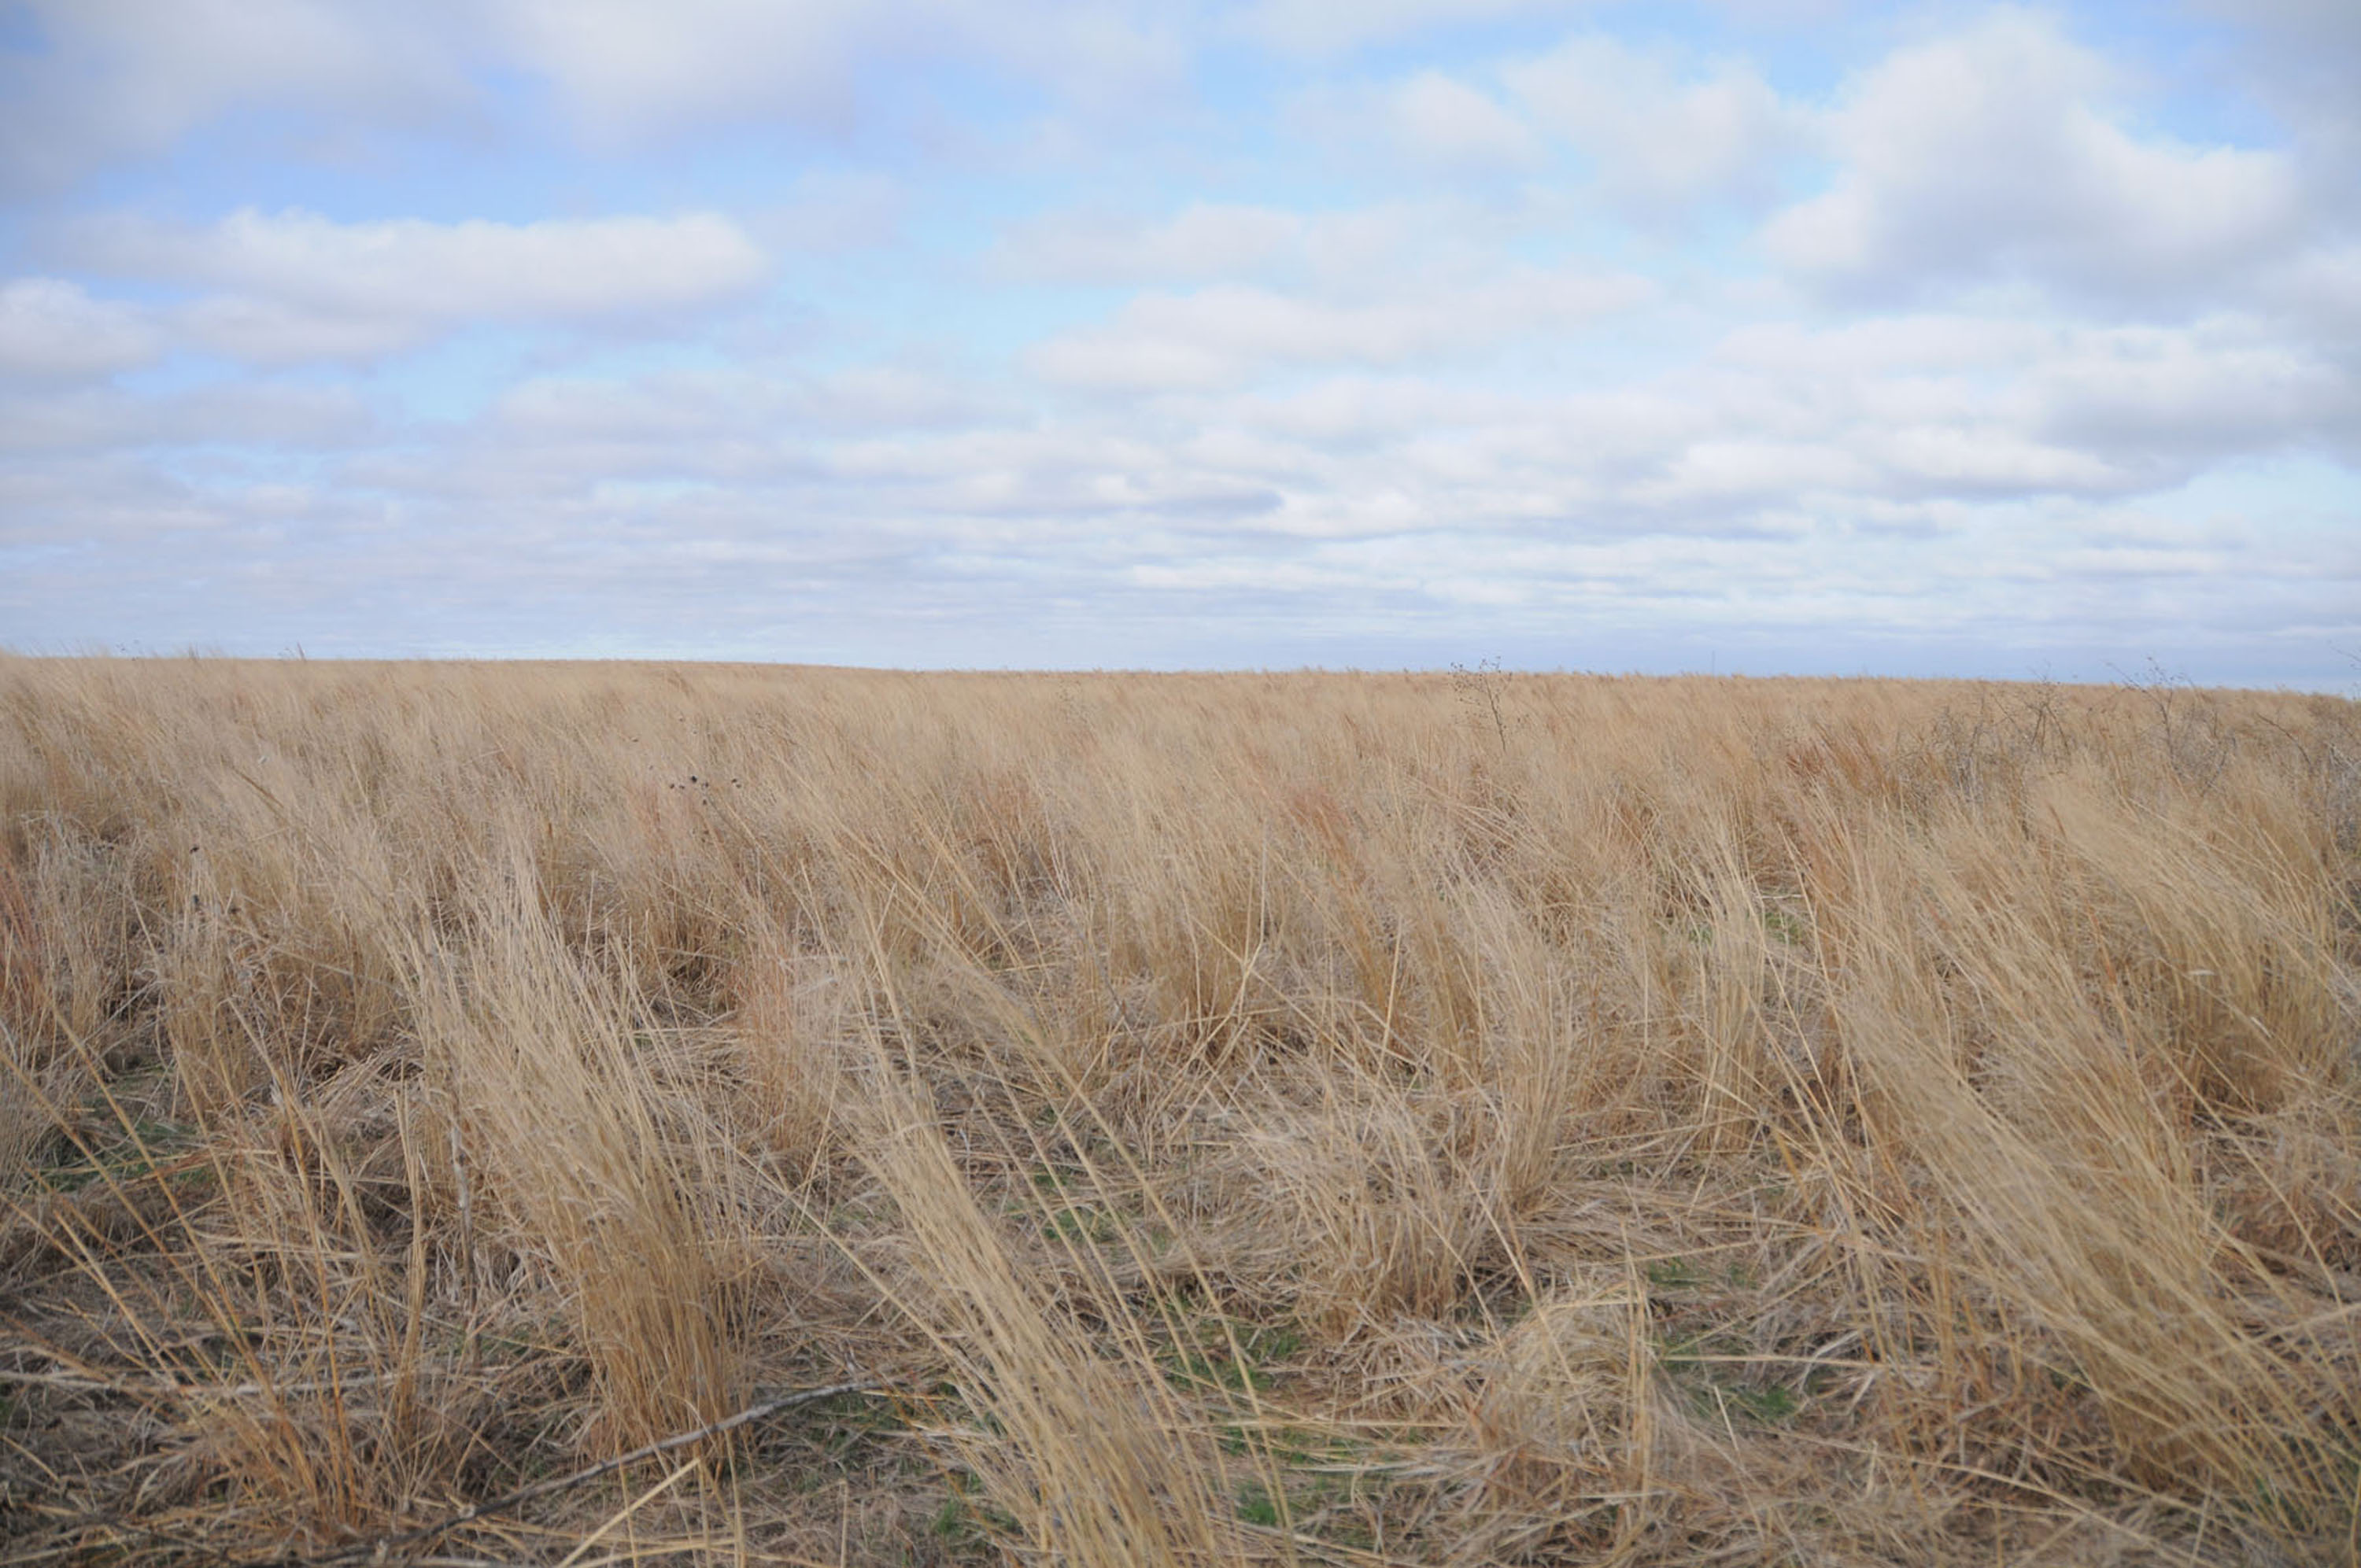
{"points": [[1461, 1119]]}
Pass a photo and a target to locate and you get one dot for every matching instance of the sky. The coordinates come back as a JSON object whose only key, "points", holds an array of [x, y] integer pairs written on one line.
{"points": [[1760, 335]]}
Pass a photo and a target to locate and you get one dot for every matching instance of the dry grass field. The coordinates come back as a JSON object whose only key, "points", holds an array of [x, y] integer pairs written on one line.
{"points": [[1311, 1119]]}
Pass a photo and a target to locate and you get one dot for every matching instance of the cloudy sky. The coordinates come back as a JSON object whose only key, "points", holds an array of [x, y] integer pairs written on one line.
{"points": [[1757, 335]]}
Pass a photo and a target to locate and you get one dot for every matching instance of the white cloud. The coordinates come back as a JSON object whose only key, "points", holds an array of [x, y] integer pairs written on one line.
{"points": [[1971, 404], [2319, 290], [1739, 466], [1962, 458], [1438, 242], [50, 328], [834, 214], [557, 268], [271, 332], [1350, 411], [294, 286], [1203, 241], [629, 71], [126, 78], [1322, 26], [1223, 336], [2178, 396], [1429, 122], [1984, 157], [307, 419], [1924, 341], [629, 67], [1444, 123], [1660, 140], [701, 407]]}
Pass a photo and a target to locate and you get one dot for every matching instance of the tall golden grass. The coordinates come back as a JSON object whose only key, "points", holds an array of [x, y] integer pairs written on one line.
{"points": [[1293, 1118]]}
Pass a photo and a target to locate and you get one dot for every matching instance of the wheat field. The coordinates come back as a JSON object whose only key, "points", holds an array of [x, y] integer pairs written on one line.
{"points": [[1457, 1118]]}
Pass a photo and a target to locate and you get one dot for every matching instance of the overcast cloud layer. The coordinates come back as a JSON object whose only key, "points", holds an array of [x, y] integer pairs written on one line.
{"points": [[1765, 334]]}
